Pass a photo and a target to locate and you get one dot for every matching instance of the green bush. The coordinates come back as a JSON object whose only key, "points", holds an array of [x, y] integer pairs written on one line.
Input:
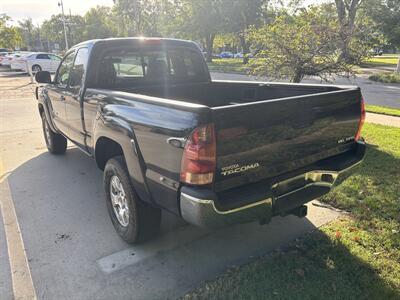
{"points": [[386, 77]]}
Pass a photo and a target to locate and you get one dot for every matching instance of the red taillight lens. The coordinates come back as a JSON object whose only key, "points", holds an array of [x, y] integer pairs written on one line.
{"points": [[199, 156], [361, 122]]}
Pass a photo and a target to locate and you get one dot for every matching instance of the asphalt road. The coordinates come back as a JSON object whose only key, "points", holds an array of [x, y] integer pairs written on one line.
{"points": [[375, 93], [70, 244]]}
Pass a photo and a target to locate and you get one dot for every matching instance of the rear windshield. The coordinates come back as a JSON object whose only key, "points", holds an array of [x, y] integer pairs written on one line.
{"points": [[133, 67]]}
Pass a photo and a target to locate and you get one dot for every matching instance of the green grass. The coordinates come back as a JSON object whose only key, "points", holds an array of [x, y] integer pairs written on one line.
{"points": [[384, 60], [227, 65], [381, 61], [383, 110], [235, 65], [385, 77], [355, 257]]}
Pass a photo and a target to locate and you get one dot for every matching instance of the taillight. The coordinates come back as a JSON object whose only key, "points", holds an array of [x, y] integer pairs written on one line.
{"points": [[361, 122], [199, 156]]}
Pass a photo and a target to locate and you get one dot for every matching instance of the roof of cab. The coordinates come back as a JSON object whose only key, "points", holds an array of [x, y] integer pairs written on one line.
{"points": [[137, 40]]}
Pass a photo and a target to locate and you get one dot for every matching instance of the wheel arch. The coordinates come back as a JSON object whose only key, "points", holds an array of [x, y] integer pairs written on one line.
{"points": [[115, 144], [105, 149]]}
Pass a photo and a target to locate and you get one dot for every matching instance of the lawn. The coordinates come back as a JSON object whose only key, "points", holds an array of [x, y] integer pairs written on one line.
{"points": [[235, 65], [227, 65], [355, 257], [383, 110], [381, 61], [384, 60]]}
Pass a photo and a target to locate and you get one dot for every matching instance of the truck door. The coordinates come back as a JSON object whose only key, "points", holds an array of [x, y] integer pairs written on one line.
{"points": [[73, 103], [57, 93]]}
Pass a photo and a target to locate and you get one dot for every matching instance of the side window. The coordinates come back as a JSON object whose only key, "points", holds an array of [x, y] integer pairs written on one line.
{"points": [[78, 68], [42, 56], [64, 69], [55, 57]]}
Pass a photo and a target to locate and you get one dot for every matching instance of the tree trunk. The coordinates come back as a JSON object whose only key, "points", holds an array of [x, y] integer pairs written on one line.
{"points": [[297, 77], [398, 66], [245, 48], [346, 16], [209, 46]]}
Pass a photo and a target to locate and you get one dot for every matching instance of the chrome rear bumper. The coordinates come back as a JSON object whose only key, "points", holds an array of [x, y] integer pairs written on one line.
{"points": [[203, 210]]}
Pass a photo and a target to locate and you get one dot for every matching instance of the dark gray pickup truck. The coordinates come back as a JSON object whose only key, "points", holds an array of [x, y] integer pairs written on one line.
{"points": [[213, 152]]}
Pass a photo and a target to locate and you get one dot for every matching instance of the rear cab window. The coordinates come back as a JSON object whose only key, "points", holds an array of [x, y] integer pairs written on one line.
{"points": [[141, 65]]}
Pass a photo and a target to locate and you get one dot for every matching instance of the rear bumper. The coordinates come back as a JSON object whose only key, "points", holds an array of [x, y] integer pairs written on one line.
{"points": [[203, 207]]}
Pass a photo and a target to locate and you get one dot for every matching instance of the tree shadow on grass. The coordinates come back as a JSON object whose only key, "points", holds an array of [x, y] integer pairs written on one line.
{"points": [[313, 267], [317, 266]]}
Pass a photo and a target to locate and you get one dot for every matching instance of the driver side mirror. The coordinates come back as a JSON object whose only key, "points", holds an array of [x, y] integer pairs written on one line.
{"points": [[43, 77]]}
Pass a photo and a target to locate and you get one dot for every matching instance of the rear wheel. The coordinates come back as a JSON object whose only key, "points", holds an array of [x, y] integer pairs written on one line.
{"points": [[36, 68], [55, 142], [134, 220]]}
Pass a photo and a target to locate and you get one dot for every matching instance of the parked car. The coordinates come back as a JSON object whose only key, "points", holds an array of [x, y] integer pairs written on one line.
{"points": [[9, 58], [2, 55], [238, 55], [6, 59], [215, 153], [36, 62], [226, 54]]}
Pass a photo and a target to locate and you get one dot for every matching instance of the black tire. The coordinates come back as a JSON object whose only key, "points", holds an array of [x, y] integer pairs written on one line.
{"points": [[144, 220], [55, 142], [36, 68]]}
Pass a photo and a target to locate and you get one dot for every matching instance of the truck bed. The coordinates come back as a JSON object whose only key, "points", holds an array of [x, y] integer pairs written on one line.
{"points": [[224, 93], [277, 127]]}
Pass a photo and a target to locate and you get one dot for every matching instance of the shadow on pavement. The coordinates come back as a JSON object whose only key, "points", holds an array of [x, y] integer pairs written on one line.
{"points": [[74, 252]]}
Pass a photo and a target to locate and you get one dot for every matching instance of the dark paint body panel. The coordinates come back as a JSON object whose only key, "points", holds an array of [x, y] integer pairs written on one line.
{"points": [[283, 134], [282, 127]]}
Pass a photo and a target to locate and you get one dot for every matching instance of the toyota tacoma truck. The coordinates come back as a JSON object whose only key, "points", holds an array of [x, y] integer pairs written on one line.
{"points": [[214, 152]]}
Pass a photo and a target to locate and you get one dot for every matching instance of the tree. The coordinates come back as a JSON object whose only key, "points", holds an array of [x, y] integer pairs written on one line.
{"points": [[294, 46], [27, 31], [10, 36], [240, 16], [386, 16], [140, 17], [98, 23], [52, 30], [203, 20], [346, 12]]}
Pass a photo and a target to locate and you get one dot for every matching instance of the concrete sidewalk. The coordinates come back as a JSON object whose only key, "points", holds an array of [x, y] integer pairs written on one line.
{"points": [[383, 119]]}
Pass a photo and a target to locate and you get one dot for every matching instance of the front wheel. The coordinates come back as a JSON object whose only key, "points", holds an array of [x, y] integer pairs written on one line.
{"points": [[55, 142], [134, 220]]}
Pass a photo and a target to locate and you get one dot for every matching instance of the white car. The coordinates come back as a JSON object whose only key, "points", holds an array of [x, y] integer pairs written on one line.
{"points": [[36, 62], [9, 58]]}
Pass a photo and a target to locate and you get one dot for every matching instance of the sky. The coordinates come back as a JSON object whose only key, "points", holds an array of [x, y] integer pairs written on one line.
{"points": [[40, 10]]}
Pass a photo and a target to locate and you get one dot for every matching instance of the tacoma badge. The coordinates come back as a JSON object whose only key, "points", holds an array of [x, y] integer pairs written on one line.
{"points": [[234, 169]]}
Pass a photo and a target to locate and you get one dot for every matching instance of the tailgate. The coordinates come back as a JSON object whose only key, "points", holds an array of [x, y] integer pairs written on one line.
{"points": [[263, 139]]}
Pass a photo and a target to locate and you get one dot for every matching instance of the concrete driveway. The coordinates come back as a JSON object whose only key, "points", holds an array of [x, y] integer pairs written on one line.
{"points": [[375, 93], [69, 243]]}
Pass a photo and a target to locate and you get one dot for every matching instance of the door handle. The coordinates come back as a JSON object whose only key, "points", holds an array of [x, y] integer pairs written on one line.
{"points": [[62, 98]]}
